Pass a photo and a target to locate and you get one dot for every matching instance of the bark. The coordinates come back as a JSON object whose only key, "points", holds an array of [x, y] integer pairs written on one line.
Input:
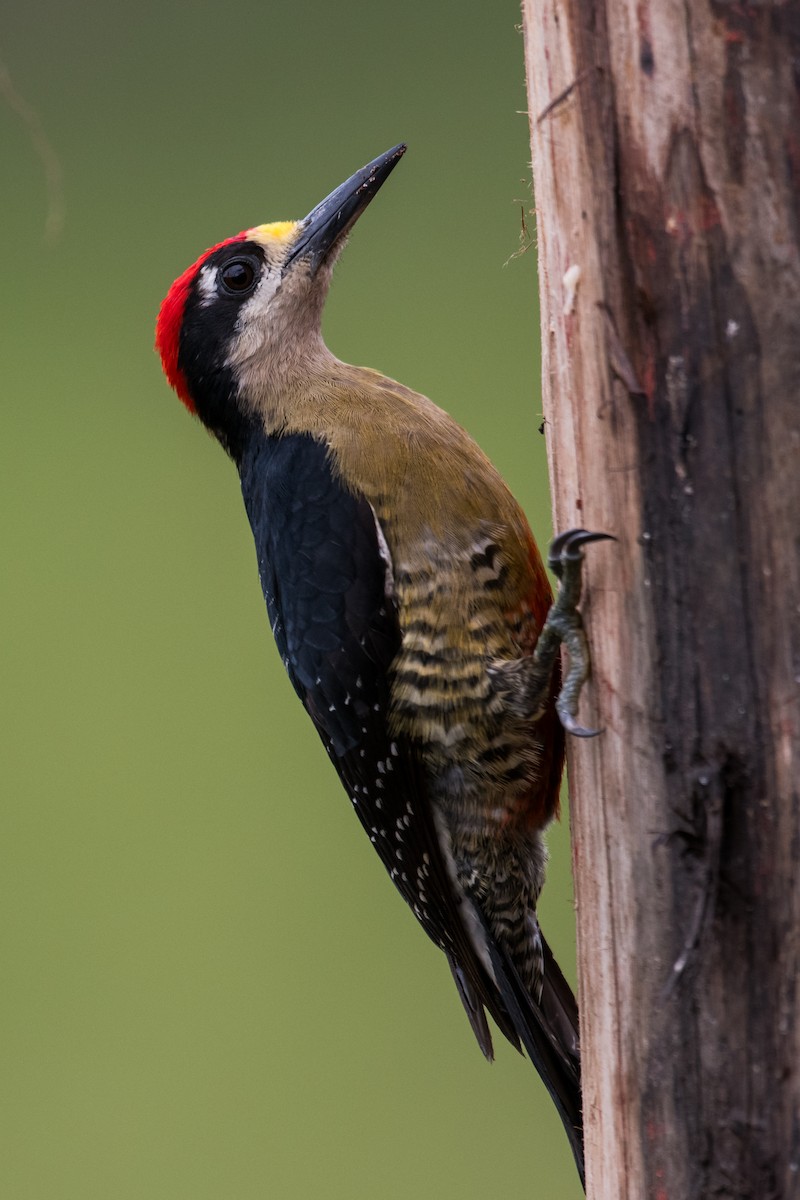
{"points": [[666, 155]]}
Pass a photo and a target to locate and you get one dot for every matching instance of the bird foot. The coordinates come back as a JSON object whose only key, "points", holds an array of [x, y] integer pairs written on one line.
{"points": [[565, 627]]}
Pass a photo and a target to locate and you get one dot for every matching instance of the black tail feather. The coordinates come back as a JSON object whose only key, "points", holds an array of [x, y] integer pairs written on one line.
{"points": [[473, 1006], [549, 1032]]}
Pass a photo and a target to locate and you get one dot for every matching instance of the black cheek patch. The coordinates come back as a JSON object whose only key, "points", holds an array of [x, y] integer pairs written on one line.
{"points": [[207, 331]]}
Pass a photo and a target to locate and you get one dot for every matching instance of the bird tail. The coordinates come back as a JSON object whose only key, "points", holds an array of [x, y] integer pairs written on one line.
{"points": [[549, 1032]]}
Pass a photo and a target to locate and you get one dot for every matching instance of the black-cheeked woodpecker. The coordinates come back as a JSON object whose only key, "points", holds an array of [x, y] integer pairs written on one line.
{"points": [[410, 607]]}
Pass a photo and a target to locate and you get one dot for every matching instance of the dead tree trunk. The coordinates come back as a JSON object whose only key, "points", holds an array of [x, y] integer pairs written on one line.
{"points": [[666, 154]]}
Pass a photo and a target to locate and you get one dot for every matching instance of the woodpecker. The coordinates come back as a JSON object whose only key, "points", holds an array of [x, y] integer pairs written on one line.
{"points": [[410, 608]]}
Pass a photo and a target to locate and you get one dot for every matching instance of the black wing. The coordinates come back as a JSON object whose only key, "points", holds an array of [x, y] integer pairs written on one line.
{"points": [[327, 584]]}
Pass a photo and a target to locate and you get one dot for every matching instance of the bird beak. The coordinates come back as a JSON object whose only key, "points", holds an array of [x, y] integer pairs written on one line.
{"points": [[330, 221]]}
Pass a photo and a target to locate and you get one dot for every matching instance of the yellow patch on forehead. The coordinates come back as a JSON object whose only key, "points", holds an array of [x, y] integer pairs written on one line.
{"points": [[276, 231]]}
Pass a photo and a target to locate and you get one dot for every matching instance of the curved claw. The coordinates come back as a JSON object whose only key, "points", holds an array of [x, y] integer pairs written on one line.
{"points": [[564, 621], [571, 726], [567, 547]]}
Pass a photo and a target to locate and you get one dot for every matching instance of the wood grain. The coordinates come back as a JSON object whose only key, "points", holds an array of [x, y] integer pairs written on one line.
{"points": [[666, 156]]}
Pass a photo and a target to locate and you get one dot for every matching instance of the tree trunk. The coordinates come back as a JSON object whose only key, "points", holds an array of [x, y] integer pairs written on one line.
{"points": [[666, 154]]}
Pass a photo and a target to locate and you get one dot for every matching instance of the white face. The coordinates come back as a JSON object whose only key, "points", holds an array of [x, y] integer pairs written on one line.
{"points": [[209, 286], [275, 240], [278, 324], [213, 282]]}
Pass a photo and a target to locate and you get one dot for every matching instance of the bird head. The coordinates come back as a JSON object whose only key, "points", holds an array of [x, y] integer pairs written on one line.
{"points": [[246, 316]]}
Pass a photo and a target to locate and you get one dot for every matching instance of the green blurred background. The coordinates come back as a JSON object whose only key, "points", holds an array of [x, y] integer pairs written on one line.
{"points": [[210, 991]]}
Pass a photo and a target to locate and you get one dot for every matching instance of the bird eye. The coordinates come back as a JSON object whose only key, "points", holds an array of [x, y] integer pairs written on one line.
{"points": [[238, 277]]}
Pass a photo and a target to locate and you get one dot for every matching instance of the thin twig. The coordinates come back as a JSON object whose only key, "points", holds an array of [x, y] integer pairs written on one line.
{"points": [[54, 221]]}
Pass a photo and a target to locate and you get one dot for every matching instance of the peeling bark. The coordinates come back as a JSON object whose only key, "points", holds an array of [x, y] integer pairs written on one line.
{"points": [[666, 154]]}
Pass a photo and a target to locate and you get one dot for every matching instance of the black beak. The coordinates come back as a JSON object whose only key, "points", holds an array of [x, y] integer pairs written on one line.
{"points": [[326, 224]]}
